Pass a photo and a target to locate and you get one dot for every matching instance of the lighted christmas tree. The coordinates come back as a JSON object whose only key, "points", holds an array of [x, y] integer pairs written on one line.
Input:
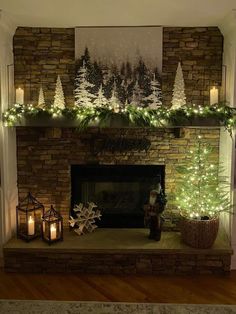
{"points": [[59, 99], [179, 98], [41, 100], [154, 99], [83, 95], [201, 190], [101, 100]]}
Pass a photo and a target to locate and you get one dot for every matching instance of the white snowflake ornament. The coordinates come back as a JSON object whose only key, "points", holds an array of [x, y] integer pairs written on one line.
{"points": [[85, 221]]}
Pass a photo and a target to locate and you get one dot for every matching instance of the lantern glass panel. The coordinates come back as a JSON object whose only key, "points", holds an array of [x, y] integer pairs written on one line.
{"points": [[29, 215], [52, 228]]}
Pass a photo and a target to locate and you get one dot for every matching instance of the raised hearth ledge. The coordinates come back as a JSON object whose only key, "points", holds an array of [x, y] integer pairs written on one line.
{"points": [[117, 251], [111, 240]]}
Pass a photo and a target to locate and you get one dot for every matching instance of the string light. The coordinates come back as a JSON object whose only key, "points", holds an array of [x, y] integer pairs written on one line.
{"points": [[139, 115]]}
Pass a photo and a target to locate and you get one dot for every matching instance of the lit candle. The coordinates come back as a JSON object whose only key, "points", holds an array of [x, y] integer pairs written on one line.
{"points": [[19, 96], [53, 231], [214, 95], [31, 225]]}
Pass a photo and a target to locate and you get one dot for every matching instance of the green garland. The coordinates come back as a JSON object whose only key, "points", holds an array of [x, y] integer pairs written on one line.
{"points": [[133, 115]]}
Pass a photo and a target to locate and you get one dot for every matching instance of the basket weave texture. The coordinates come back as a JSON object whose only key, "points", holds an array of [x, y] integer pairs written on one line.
{"points": [[199, 233]]}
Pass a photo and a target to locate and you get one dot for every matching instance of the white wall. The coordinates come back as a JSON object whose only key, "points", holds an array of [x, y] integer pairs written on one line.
{"points": [[227, 150], [8, 189]]}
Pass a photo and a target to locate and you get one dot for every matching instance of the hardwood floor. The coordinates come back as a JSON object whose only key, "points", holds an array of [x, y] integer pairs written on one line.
{"points": [[160, 289]]}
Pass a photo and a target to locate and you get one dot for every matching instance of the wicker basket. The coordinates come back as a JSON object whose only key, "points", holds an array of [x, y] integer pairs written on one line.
{"points": [[199, 233]]}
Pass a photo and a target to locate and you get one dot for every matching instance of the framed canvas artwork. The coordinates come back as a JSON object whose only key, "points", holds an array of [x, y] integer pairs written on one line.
{"points": [[118, 66]]}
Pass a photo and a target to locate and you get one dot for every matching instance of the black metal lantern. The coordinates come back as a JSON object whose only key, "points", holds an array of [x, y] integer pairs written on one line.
{"points": [[52, 226], [29, 213]]}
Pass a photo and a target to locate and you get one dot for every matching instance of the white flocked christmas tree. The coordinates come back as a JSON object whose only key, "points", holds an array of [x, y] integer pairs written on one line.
{"points": [[83, 95], [59, 99], [41, 100], [154, 99], [101, 100], [178, 98]]}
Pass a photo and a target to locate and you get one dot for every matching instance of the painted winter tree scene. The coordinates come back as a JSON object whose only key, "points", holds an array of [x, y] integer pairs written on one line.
{"points": [[118, 66]]}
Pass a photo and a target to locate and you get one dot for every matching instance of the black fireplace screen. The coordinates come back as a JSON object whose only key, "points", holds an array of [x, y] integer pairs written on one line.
{"points": [[119, 191]]}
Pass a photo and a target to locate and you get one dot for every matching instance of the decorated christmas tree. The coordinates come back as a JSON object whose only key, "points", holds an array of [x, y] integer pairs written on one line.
{"points": [[59, 99], [178, 98], [101, 100], [154, 99], [83, 95], [201, 190], [41, 100]]}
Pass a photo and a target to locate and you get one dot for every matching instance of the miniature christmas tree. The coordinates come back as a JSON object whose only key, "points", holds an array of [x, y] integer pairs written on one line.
{"points": [[101, 100], [83, 96], [41, 100], [59, 99], [201, 190], [154, 99], [179, 98], [85, 221]]}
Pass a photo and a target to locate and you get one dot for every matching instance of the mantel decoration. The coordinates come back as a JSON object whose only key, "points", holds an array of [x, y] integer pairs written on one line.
{"points": [[179, 98], [52, 226], [29, 213], [85, 218], [202, 193], [41, 100]]}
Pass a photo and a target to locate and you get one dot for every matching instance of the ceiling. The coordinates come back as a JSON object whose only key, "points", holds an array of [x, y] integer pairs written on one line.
{"points": [[70, 13]]}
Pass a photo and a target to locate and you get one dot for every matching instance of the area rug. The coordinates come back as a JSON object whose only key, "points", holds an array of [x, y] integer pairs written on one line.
{"points": [[69, 307]]}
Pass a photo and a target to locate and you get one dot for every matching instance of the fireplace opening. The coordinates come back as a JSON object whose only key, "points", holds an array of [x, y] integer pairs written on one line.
{"points": [[120, 191]]}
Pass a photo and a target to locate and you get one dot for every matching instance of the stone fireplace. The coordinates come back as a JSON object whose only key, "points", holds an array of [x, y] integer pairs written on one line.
{"points": [[59, 167], [49, 159]]}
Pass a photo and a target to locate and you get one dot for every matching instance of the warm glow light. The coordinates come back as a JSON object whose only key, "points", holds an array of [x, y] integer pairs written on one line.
{"points": [[214, 95], [53, 231], [31, 226], [19, 96]]}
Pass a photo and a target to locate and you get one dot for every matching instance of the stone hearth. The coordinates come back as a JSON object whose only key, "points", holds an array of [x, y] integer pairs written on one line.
{"points": [[118, 251]]}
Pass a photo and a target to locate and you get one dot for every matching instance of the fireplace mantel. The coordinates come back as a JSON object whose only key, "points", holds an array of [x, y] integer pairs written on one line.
{"points": [[114, 123]]}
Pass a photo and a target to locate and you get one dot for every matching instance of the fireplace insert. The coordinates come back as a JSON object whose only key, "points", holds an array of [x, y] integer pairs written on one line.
{"points": [[120, 191]]}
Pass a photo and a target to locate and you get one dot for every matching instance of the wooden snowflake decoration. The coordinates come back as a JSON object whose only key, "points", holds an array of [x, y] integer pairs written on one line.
{"points": [[85, 221]]}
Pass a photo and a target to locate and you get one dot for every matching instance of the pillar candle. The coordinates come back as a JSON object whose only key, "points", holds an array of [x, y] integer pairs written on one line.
{"points": [[20, 96], [31, 225], [53, 231], [214, 95]]}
